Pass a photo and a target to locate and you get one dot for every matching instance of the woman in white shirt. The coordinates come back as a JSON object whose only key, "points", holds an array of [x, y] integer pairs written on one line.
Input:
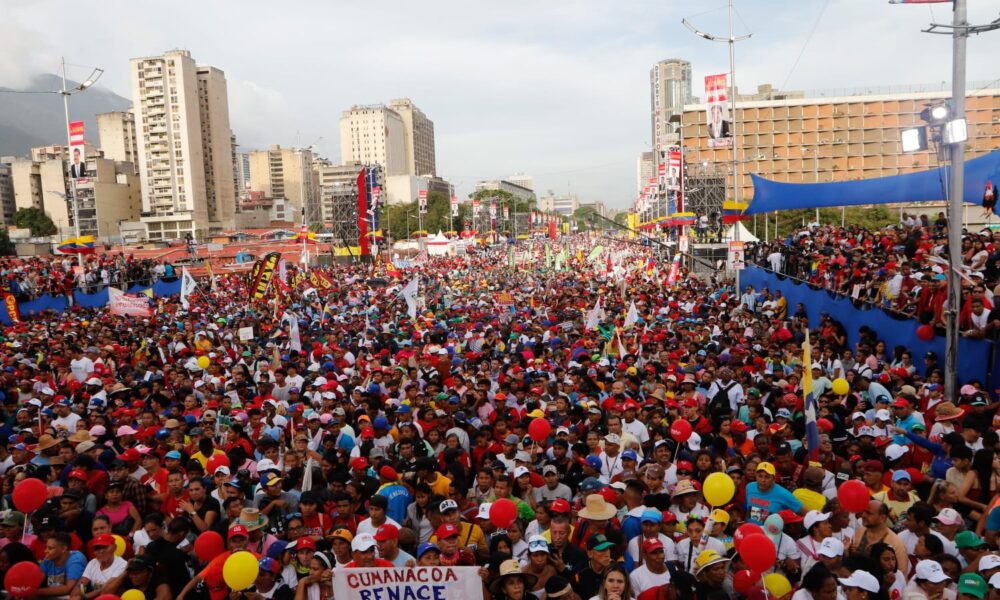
{"points": [[689, 548]]}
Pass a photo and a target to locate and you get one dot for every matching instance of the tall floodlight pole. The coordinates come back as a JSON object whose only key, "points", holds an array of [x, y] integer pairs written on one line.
{"points": [[731, 40], [955, 140]]}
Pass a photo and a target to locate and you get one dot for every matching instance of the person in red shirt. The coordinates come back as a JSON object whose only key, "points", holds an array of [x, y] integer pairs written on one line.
{"points": [[176, 495], [212, 574], [363, 551]]}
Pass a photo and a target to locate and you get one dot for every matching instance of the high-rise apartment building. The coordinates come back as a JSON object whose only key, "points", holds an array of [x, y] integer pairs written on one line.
{"points": [[418, 137], [6, 195], [116, 131], [285, 173], [798, 139], [374, 134], [184, 146], [669, 91]]}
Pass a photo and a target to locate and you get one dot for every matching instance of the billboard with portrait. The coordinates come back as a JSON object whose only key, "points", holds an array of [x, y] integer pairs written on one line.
{"points": [[717, 109]]}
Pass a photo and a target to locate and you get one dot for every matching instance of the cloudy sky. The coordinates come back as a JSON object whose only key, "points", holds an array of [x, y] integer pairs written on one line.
{"points": [[557, 89]]}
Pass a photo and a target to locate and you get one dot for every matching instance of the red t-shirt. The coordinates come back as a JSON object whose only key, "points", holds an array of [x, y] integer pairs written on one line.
{"points": [[316, 525], [379, 562], [171, 506], [214, 580]]}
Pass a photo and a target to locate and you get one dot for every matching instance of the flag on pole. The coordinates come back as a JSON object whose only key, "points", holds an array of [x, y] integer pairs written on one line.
{"points": [[188, 285], [811, 405], [632, 317], [594, 316], [409, 294]]}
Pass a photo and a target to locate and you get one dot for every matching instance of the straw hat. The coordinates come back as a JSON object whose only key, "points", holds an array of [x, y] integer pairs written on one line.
{"points": [[597, 509], [947, 411], [512, 568], [81, 435], [252, 519], [46, 441]]}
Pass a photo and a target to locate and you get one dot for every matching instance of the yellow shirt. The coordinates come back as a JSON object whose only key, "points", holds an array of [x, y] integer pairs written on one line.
{"points": [[810, 499], [440, 487], [198, 456], [469, 535]]}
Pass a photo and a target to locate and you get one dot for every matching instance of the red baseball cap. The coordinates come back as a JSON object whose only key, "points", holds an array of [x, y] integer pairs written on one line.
{"points": [[684, 465], [237, 530], [77, 474], [789, 517], [387, 532], [690, 403], [559, 505], [306, 542], [102, 541], [446, 530], [651, 545], [738, 425], [368, 432], [359, 463], [388, 472]]}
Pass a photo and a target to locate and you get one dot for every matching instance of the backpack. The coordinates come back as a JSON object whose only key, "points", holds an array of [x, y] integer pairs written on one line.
{"points": [[718, 405]]}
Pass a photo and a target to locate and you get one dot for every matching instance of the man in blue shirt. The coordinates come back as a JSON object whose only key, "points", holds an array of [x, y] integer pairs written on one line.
{"points": [[397, 494], [906, 418], [765, 498], [62, 567]]}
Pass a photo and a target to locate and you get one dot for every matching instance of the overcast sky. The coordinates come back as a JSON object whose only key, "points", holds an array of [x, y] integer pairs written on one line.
{"points": [[557, 89]]}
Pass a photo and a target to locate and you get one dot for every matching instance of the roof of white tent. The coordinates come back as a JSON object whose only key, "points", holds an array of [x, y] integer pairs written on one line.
{"points": [[745, 235]]}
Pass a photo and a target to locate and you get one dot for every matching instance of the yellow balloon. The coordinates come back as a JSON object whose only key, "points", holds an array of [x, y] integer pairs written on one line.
{"points": [[203, 362], [718, 489], [776, 584], [133, 595], [840, 386], [119, 545], [240, 570]]}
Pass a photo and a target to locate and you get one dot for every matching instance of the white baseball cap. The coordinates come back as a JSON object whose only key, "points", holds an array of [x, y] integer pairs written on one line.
{"points": [[484, 511], [861, 579], [694, 442], [895, 451], [814, 516], [521, 471], [883, 415], [831, 548], [995, 581], [948, 516], [365, 541], [989, 562], [931, 570]]}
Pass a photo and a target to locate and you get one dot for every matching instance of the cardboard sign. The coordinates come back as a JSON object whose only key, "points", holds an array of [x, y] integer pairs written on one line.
{"points": [[418, 583], [246, 334]]}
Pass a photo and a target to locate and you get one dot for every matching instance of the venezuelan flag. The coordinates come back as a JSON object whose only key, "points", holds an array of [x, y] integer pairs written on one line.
{"points": [[733, 211], [684, 219], [810, 403], [81, 245]]}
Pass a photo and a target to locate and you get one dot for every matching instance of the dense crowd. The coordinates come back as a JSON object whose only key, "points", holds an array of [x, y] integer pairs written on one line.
{"points": [[523, 420], [901, 268], [29, 277]]}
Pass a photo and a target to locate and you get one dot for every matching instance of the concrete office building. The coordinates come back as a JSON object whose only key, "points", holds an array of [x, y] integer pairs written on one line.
{"points": [[374, 134], [285, 173], [523, 180], [184, 146], [116, 131], [565, 205], [6, 195], [807, 138], [518, 191], [644, 170], [418, 132], [669, 90]]}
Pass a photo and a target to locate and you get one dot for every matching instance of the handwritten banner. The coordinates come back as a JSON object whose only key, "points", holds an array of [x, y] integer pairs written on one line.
{"points": [[418, 583]]}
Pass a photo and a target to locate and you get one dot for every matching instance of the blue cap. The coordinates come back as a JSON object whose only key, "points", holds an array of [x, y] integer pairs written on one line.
{"points": [[454, 400], [404, 408], [901, 475], [380, 423], [162, 433], [651, 515], [173, 454], [276, 548], [591, 484], [425, 547], [593, 461], [190, 419], [630, 455]]}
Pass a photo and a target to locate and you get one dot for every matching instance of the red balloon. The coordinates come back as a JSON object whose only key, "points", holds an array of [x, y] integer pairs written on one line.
{"points": [[22, 580], [209, 545], [680, 430], [758, 552], [743, 531], [29, 495], [743, 581], [539, 429], [503, 512], [108, 597], [853, 496], [216, 461], [925, 332]]}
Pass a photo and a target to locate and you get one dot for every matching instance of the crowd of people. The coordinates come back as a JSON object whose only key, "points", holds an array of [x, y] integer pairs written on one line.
{"points": [[328, 428], [901, 268], [27, 278]]}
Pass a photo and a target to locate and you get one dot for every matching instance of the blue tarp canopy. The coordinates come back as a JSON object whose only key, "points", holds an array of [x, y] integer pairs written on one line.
{"points": [[926, 186]]}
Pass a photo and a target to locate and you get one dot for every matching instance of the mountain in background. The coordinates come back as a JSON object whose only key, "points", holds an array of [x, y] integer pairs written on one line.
{"points": [[30, 120]]}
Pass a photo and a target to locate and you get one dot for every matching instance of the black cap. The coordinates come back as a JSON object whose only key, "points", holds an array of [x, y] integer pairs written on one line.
{"points": [[140, 563], [379, 502], [557, 587]]}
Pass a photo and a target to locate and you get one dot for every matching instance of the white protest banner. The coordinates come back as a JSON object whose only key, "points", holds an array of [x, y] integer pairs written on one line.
{"points": [[134, 306], [246, 333], [417, 583]]}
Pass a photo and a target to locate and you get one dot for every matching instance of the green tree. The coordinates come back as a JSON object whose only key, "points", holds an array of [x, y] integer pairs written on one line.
{"points": [[36, 220], [868, 217], [6, 246], [621, 217]]}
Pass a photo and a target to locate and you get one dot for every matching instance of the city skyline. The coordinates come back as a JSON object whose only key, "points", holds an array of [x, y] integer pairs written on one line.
{"points": [[560, 94]]}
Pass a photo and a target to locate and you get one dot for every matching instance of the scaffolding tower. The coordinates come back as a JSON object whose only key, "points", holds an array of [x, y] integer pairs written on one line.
{"points": [[705, 190], [340, 211]]}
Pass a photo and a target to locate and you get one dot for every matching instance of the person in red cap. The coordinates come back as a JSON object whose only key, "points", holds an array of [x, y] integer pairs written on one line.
{"points": [[451, 553], [104, 572], [238, 538], [653, 571], [398, 495], [387, 539]]}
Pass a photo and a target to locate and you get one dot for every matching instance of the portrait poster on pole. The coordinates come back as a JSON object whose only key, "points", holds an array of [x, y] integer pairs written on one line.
{"points": [[720, 133]]}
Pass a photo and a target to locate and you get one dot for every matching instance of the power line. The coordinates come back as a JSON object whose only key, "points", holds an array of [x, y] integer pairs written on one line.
{"points": [[805, 44]]}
